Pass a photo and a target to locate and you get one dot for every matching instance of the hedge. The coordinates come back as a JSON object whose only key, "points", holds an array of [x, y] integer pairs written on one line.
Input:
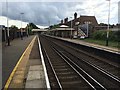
{"points": [[101, 35]]}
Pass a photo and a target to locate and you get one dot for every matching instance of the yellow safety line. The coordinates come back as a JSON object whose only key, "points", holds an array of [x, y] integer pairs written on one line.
{"points": [[13, 72]]}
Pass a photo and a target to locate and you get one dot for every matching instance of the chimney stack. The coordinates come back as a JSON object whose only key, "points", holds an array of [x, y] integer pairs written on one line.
{"points": [[75, 15], [65, 20], [61, 21]]}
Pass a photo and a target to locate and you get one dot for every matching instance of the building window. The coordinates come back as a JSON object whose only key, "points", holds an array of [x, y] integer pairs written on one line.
{"points": [[88, 22]]}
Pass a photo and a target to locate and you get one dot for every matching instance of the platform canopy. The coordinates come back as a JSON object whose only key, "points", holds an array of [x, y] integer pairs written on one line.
{"points": [[63, 28], [39, 30]]}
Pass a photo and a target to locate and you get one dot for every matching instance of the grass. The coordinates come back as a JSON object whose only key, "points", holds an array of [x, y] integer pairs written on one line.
{"points": [[103, 42]]}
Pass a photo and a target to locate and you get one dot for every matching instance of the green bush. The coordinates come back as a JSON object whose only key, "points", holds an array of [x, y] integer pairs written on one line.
{"points": [[101, 35], [114, 36]]}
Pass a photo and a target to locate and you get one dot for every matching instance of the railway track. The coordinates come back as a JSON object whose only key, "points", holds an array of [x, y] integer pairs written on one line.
{"points": [[62, 74], [105, 65], [66, 70]]}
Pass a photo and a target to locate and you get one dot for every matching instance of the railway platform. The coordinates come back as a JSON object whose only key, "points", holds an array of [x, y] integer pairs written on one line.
{"points": [[105, 48], [31, 72], [28, 71]]}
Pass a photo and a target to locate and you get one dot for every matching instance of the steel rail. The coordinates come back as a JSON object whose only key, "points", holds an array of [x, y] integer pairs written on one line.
{"points": [[58, 81], [61, 54], [112, 75], [94, 66], [70, 66], [97, 67], [44, 67]]}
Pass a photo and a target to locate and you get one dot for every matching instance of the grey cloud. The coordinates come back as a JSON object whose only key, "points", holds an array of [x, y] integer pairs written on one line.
{"points": [[38, 12], [41, 13]]}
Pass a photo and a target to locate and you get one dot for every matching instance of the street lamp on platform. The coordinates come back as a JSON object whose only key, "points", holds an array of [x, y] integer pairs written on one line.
{"points": [[108, 28], [27, 29], [71, 27], [21, 27], [77, 24], [8, 35]]}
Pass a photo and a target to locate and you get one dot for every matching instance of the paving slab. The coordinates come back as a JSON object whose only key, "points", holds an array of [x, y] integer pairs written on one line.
{"points": [[36, 68], [35, 84], [34, 62], [35, 51], [33, 75]]}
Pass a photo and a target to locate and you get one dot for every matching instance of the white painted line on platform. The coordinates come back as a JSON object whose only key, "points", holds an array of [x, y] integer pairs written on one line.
{"points": [[44, 67]]}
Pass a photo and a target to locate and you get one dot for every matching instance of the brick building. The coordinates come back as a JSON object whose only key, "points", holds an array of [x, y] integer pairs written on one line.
{"points": [[81, 21], [82, 26]]}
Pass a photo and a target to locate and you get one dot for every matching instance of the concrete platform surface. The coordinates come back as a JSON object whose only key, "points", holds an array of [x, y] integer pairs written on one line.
{"points": [[35, 77], [109, 49], [29, 73], [11, 55], [35, 84]]}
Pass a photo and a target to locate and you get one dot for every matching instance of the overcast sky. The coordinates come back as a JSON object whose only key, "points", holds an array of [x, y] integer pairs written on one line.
{"points": [[119, 12], [41, 13]]}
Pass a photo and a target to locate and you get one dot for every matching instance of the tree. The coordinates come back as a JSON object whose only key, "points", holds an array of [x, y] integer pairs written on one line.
{"points": [[54, 26], [31, 26], [103, 24], [13, 27]]}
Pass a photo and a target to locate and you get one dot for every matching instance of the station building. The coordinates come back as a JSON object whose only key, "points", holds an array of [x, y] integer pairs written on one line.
{"points": [[41, 30], [77, 27], [62, 31]]}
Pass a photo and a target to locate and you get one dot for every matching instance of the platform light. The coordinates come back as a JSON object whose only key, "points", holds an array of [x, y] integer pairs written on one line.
{"points": [[71, 28], [21, 27], [8, 32], [108, 28]]}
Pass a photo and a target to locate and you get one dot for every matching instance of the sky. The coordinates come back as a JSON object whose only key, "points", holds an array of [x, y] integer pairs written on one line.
{"points": [[119, 12], [48, 12]]}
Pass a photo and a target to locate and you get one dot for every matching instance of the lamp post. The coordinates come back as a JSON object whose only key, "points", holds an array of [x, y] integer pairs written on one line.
{"points": [[77, 24], [27, 30], [21, 27], [71, 28], [4, 34], [108, 24], [49, 23], [8, 35], [87, 28]]}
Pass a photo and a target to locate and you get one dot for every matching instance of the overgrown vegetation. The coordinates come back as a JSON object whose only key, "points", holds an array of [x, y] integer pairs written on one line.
{"points": [[54, 26], [101, 35], [31, 26], [103, 42]]}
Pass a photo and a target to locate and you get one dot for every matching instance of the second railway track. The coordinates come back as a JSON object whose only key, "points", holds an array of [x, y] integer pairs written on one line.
{"points": [[61, 74], [64, 71]]}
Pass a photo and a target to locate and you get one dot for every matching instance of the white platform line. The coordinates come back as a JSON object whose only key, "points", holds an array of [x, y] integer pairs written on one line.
{"points": [[44, 67]]}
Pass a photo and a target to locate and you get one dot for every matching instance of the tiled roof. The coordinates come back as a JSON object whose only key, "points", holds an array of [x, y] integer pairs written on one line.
{"points": [[82, 20]]}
